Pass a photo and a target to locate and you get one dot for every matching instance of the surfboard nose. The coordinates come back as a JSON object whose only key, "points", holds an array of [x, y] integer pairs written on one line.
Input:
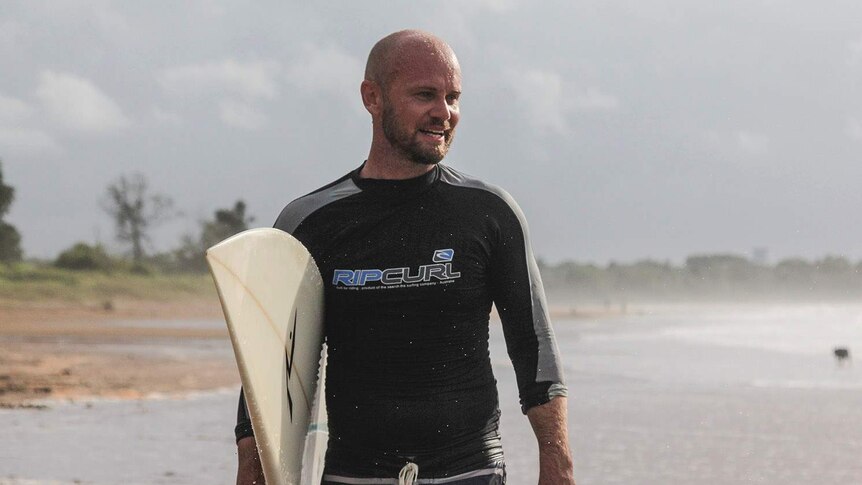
{"points": [[272, 296]]}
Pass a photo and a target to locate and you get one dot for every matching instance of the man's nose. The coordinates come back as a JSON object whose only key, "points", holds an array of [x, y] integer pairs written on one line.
{"points": [[442, 110]]}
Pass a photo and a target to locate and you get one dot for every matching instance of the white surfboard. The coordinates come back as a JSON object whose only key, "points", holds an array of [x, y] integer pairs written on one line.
{"points": [[272, 296]]}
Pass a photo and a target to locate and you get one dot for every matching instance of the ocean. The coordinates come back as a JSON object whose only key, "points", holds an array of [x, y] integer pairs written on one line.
{"points": [[665, 395]]}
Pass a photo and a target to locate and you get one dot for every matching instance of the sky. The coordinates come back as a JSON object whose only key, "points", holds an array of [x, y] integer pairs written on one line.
{"points": [[625, 129]]}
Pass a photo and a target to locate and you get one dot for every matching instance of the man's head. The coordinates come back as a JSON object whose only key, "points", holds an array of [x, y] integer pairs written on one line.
{"points": [[411, 88]]}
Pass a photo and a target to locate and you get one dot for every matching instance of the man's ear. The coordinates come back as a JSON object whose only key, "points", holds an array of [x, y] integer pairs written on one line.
{"points": [[371, 97]]}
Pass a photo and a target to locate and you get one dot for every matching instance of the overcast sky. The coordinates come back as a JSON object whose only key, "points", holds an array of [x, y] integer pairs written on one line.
{"points": [[626, 130]]}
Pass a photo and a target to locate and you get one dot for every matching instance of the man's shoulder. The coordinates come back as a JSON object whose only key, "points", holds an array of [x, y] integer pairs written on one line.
{"points": [[299, 209], [456, 178]]}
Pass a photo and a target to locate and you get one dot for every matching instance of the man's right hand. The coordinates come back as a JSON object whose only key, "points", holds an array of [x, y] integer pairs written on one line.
{"points": [[250, 471]]}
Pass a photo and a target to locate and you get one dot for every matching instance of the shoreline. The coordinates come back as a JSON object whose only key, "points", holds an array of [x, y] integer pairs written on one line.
{"points": [[56, 351]]}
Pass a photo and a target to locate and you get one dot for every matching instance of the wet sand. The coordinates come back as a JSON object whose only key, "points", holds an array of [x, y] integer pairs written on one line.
{"points": [[62, 351]]}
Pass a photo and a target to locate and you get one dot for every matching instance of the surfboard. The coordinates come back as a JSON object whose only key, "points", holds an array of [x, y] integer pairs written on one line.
{"points": [[271, 293]]}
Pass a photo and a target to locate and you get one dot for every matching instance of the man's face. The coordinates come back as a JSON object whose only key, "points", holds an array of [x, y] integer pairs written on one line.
{"points": [[420, 108]]}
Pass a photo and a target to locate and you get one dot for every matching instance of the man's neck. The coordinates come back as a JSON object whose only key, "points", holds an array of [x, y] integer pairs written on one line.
{"points": [[393, 169]]}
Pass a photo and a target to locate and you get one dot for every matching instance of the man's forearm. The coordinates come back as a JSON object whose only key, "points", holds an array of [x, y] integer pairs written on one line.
{"points": [[550, 424], [250, 471]]}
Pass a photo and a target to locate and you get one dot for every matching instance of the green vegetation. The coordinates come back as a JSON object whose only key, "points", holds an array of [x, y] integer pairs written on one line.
{"points": [[10, 240], [82, 256], [226, 223], [86, 273], [700, 278], [29, 281], [705, 277]]}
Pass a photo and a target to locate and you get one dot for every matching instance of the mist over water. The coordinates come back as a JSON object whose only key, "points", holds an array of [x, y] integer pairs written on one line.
{"points": [[670, 395]]}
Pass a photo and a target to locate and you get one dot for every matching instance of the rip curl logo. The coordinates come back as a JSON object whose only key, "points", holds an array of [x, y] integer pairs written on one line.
{"points": [[443, 255], [439, 272]]}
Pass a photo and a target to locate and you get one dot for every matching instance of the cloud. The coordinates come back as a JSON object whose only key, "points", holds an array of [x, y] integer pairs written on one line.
{"points": [[326, 70], [13, 110], [16, 140], [853, 129], [22, 141], [594, 100], [499, 6], [740, 142], [542, 95], [212, 8], [78, 104], [110, 20], [166, 117], [240, 115], [237, 85], [752, 143], [549, 100], [854, 52], [11, 33], [250, 80]]}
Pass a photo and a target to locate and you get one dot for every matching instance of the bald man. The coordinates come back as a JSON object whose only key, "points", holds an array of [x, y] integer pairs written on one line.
{"points": [[414, 254]]}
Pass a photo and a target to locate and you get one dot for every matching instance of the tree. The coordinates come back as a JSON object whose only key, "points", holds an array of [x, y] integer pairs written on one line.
{"points": [[135, 211], [82, 256], [226, 223], [10, 239]]}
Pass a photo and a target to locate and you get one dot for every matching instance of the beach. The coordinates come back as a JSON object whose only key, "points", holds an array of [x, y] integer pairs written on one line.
{"points": [[71, 351], [662, 395], [64, 351]]}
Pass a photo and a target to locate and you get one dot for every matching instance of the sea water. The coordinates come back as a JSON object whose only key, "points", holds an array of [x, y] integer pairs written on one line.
{"points": [[677, 395]]}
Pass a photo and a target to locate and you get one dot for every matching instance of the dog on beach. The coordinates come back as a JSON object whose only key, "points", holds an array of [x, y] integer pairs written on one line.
{"points": [[842, 355]]}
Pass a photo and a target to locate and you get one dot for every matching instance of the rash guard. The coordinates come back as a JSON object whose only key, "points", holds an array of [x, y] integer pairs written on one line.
{"points": [[411, 269]]}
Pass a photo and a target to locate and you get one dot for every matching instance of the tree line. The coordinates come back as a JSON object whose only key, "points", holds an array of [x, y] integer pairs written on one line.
{"points": [[135, 210], [710, 276]]}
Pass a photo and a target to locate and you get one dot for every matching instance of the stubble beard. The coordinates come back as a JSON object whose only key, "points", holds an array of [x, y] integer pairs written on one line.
{"points": [[407, 144]]}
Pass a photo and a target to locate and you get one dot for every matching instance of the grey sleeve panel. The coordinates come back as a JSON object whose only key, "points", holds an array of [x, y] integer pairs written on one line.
{"points": [[298, 210], [549, 368]]}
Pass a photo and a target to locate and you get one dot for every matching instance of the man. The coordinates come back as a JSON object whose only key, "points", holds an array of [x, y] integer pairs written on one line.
{"points": [[413, 253]]}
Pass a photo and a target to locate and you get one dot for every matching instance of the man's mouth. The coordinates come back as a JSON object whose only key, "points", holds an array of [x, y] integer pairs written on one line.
{"points": [[434, 133]]}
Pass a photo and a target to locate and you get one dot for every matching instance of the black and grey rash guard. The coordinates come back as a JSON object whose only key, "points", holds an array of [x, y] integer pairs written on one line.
{"points": [[411, 269]]}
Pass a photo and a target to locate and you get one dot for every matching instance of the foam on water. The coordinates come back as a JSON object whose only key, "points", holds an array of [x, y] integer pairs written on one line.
{"points": [[806, 330], [813, 385]]}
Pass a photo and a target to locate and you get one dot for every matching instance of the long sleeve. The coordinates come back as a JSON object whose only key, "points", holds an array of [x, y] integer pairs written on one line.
{"points": [[520, 300], [243, 422]]}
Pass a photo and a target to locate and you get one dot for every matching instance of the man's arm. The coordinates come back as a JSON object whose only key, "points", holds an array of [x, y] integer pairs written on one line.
{"points": [[519, 296], [250, 471], [550, 424]]}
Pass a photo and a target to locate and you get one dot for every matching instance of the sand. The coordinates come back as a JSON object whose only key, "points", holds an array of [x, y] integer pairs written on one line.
{"points": [[62, 351], [69, 351]]}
